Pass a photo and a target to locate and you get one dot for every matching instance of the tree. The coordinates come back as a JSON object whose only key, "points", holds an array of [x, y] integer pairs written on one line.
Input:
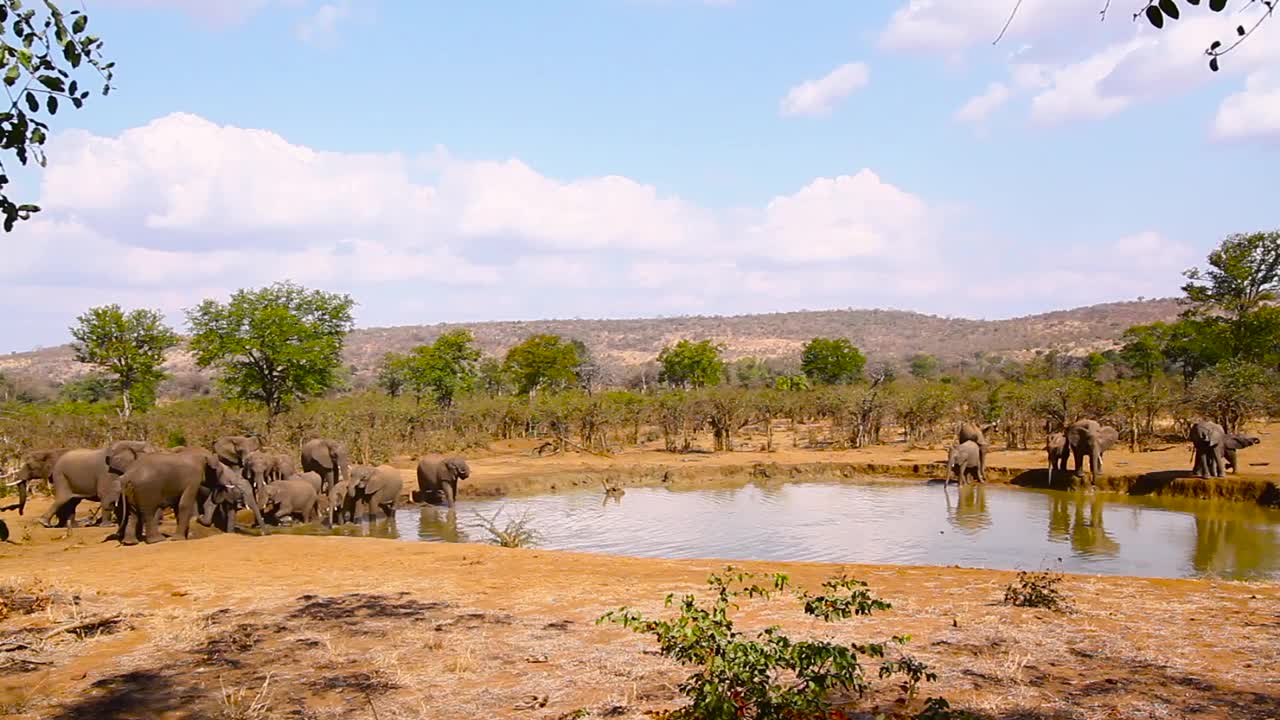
{"points": [[923, 366], [128, 346], [542, 362], [275, 345], [832, 361], [1237, 288], [492, 377], [393, 373], [588, 371], [40, 54], [444, 368], [691, 365], [1232, 392], [1143, 350], [91, 388]]}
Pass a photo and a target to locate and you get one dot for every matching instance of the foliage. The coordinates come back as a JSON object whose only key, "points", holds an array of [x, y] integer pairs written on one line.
{"points": [[831, 361], [1157, 11], [690, 365], [130, 346], [1231, 392], [91, 388], [443, 369], [542, 363], [515, 534], [923, 366], [1038, 590], [1242, 279], [792, 382], [770, 676], [393, 373], [275, 345], [43, 55]]}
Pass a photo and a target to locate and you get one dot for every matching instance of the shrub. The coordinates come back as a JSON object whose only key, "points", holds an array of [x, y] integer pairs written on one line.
{"points": [[515, 534], [1037, 590], [772, 676]]}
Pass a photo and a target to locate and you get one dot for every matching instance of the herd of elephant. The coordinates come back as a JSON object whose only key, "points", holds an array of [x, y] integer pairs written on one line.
{"points": [[1215, 449], [134, 483]]}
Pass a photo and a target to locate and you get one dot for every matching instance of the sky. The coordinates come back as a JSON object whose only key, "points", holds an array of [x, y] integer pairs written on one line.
{"points": [[504, 160]]}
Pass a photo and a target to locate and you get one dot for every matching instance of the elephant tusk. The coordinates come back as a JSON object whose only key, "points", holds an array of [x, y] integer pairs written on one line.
{"points": [[15, 482]]}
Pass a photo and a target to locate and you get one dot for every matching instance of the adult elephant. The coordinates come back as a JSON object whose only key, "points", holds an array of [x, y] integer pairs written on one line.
{"points": [[438, 476], [84, 474], [376, 487], [1233, 442], [1088, 438], [262, 467], [220, 505], [969, 432], [168, 480], [963, 459], [234, 449], [328, 459], [1209, 441], [36, 465], [291, 498]]}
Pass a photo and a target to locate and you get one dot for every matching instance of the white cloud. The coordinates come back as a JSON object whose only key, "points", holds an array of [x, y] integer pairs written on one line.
{"points": [[949, 26], [321, 26], [980, 106], [817, 97], [1252, 114], [215, 12]]}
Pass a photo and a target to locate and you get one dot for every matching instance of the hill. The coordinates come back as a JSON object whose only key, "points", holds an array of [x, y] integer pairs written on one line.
{"points": [[620, 344]]}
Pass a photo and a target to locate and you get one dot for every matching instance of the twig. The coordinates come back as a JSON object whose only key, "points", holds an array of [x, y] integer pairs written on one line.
{"points": [[1105, 8], [371, 705], [1008, 22], [81, 625]]}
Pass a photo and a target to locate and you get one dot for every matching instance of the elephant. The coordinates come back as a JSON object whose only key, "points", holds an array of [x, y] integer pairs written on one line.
{"points": [[1056, 447], [376, 487], [221, 504], [1209, 441], [342, 503], [328, 459], [292, 497], [970, 432], [81, 474], [964, 458], [36, 465], [1233, 442], [438, 475], [1087, 437], [168, 480], [234, 449], [262, 467]]}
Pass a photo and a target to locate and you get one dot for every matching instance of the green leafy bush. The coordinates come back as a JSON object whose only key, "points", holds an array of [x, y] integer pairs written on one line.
{"points": [[1038, 590]]}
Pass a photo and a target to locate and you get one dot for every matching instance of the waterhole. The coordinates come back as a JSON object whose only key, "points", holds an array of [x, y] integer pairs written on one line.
{"points": [[883, 521]]}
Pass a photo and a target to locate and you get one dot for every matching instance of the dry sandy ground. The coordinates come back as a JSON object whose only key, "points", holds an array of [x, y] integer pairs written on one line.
{"points": [[256, 628]]}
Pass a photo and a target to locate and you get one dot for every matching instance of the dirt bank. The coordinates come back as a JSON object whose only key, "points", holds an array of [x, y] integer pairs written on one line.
{"points": [[329, 627], [513, 468]]}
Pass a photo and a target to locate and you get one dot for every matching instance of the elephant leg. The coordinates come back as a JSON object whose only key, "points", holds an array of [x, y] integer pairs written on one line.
{"points": [[229, 518], [58, 508], [185, 511], [151, 530], [1230, 455], [1219, 460], [129, 528]]}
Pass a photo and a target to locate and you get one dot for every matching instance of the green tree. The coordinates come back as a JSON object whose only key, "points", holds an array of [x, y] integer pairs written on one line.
{"points": [[91, 388], [444, 368], [492, 378], [393, 373], [832, 361], [1237, 288], [923, 366], [275, 345], [1092, 365], [44, 54], [1143, 350], [691, 364], [130, 346], [791, 382], [542, 363]]}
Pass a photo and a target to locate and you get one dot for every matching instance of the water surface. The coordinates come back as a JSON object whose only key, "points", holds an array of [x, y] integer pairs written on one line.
{"points": [[889, 522]]}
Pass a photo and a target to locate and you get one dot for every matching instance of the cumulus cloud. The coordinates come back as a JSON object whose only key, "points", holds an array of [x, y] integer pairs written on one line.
{"points": [[980, 106], [182, 206], [1252, 114], [818, 97], [947, 26]]}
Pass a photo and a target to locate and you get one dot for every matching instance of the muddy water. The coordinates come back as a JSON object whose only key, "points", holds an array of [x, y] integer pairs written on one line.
{"points": [[886, 521]]}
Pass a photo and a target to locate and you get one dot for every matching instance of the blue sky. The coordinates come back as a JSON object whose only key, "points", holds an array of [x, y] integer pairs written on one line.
{"points": [[448, 161]]}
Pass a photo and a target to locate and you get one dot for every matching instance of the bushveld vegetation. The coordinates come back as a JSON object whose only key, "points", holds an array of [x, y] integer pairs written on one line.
{"points": [[281, 378]]}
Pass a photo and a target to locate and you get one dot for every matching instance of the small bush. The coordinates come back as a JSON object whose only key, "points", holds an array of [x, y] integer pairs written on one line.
{"points": [[515, 534], [1037, 590], [772, 675]]}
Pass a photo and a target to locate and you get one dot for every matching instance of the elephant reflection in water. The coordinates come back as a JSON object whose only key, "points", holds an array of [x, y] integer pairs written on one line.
{"points": [[433, 524], [970, 511], [1233, 546], [1068, 523]]}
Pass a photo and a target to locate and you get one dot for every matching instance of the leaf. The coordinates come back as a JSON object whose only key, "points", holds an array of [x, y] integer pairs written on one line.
{"points": [[53, 83], [1216, 44], [78, 26], [32, 102], [1194, 2], [1170, 8], [1155, 16], [52, 104], [1217, 5], [1240, 30], [1213, 64], [11, 76]]}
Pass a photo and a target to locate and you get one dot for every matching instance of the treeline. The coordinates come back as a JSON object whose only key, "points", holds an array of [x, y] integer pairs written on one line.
{"points": [[276, 352]]}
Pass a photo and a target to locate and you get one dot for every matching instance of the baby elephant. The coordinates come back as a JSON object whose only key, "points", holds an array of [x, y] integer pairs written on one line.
{"points": [[292, 498], [963, 459], [376, 487]]}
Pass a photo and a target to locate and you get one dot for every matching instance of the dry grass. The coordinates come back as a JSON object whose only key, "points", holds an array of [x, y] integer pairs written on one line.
{"points": [[244, 703]]}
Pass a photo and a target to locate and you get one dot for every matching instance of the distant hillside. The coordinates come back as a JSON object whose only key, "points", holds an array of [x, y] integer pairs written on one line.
{"points": [[619, 344]]}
